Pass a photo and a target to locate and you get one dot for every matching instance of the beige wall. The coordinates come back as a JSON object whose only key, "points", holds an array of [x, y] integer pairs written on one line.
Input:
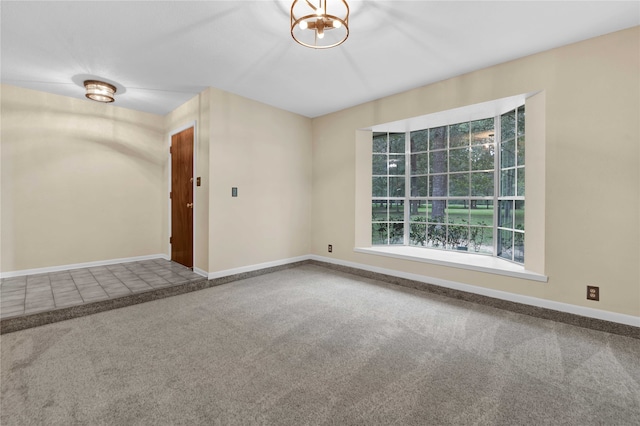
{"points": [[591, 94], [266, 153], [81, 181], [85, 182]]}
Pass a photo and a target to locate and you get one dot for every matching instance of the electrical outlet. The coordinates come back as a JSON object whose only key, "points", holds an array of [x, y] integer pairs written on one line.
{"points": [[593, 292], [330, 248]]}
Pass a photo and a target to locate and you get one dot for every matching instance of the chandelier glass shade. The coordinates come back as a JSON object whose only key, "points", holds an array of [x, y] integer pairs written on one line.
{"points": [[99, 91], [320, 24]]}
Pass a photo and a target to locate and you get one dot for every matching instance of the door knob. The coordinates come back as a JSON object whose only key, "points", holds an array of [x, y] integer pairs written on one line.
{"points": [[189, 205]]}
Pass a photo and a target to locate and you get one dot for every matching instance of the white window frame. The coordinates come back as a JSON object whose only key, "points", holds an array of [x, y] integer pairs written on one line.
{"points": [[495, 198], [534, 268]]}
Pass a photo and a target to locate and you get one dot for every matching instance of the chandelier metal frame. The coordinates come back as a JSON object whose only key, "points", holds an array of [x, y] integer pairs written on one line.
{"points": [[319, 20]]}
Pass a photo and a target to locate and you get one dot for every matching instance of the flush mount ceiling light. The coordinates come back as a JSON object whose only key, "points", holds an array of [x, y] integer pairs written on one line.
{"points": [[320, 24], [99, 91]]}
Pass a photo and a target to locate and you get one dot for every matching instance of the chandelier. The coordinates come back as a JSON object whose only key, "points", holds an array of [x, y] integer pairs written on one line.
{"points": [[318, 25]]}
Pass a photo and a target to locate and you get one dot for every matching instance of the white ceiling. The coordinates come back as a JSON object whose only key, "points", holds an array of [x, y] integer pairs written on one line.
{"points": [[160, 54]]}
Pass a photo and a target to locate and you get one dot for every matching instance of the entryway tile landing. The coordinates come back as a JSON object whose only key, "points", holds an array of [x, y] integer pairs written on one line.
{"points": [[42, 293]]}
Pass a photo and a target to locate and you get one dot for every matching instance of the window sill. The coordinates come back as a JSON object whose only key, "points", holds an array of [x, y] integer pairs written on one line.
{"points": [[472, 262]]}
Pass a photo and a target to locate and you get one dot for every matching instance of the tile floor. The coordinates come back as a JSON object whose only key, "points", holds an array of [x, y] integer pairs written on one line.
{"points": [[32, 294]]}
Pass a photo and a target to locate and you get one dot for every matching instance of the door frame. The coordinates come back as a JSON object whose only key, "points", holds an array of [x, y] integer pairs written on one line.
{"points": [[195, 173]]}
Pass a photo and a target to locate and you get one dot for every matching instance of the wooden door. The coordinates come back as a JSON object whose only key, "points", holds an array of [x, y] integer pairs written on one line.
{"points": [[182, 197]]}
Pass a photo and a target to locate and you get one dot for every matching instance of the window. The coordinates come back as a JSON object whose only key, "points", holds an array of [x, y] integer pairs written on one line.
{"points": [[389, 183], [510, 240], [440, 187]]}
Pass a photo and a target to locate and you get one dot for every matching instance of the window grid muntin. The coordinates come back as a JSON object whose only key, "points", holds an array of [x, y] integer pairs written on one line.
{"points": [[518, 132], [469, 145], [466, 143], [390, 221]]}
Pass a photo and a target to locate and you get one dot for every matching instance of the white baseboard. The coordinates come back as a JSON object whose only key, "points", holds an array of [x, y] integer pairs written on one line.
{"points": [[250, 268], [497, 294], [80, 265], [511, 297], [200, 272]]}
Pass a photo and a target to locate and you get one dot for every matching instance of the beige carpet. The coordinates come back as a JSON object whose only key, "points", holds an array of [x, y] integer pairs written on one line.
{"points": [[312, 346]]}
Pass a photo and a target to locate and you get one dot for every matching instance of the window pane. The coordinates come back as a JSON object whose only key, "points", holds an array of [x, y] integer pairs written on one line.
{"points": [[508, 183], [438, 162], [458, 237], [459, 185], [508, 125], [436, 211], [436, 236], [505, 243], [458, 211], [396, 210], [521, 120], [396, 164], [379, 233], [438, 138], [520, 173], [419, 140], [419, 186], [518, 247], [507, 154], [482, 157], [379, 211], [519, 215], [396, 187], [438, 185], [418, 234], [459, 135], [505, 216], [379, 187], [379, 142], [521, 151], [481, 239], [482, 212], [396, 233], [379, 164], [396, 142], [482, 131], [419, 164], [418, 212], [482, 184], [459, 160], [452, 170]]}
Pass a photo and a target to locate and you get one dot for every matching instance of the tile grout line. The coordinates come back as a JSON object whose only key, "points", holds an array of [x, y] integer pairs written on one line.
{"points": [[134, 268], [53, 299], [118, 278], [75, 285], [134, 273], [120, 281], [100, 285], [77, 288], [26, 287], [148, 270], [55, 305], [24, 301]]}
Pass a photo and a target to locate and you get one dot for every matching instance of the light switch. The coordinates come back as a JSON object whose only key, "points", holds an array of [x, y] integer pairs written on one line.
{"points": [[234, 192]]}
